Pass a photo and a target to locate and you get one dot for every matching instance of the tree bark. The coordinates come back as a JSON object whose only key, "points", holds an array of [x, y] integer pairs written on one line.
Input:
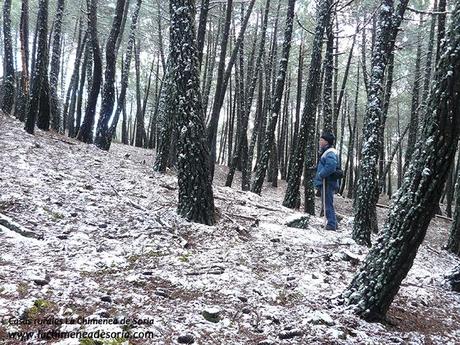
{"points": [[377, 281], [196, 202], [307, 126], [86, 130]]}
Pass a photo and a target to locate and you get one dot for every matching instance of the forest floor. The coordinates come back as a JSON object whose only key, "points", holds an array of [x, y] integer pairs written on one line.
{"points": [[96, 237]]}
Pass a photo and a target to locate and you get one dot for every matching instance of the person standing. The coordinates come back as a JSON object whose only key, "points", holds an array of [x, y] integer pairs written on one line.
{"points": [[325, 181]]}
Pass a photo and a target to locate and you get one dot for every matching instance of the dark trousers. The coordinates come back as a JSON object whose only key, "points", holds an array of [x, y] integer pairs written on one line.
{"points": [[327, 199]]}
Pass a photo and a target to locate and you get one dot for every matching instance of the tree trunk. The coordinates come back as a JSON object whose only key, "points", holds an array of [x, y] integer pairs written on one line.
{"points": [[376, 283], [269, 140], [21, 108], [365, 220], [108, 92], [86, 130], [196, 202], [222, 79], [307, 126], [8, 60], [55, 65], [124, 76], [38, 67]]}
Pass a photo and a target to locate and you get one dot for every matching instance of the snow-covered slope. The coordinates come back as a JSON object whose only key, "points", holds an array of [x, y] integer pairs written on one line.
{"points": [[103, 241]]}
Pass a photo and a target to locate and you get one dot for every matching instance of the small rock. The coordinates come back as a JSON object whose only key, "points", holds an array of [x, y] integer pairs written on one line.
{"points": [[161, 293], [186, 339], [320, 318], [104, 314], [62, 237], [246, 310], [103, 226], [291, 278], [106, 299], [74, 214], [290, 334], [314, 276], [275, 240], [212, 314], [41, 282], [266, 342], [147, 273], [243, 299]]}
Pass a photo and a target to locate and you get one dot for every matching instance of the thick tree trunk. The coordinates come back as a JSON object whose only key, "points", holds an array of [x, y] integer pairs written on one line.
{"points": [[196, 202], [86, 130], [374, 287], [39, 67]]}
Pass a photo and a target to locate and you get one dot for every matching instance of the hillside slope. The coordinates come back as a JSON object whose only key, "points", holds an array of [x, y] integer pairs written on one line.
{"points": [[101, 240]]}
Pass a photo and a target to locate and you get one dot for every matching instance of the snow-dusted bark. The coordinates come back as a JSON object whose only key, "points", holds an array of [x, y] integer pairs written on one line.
{"points": [[268, 146], [108, 91], [8, 76], [21, 107], [196, 202], [387, 264], [328, 78], [365, 220], [307, 126], [86, 130], [39, 67], [55, 65]]}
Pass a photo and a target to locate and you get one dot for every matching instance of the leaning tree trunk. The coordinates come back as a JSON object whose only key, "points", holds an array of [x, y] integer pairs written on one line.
{"points": [[374, 287], [268, 146], [55, 65], [8, 62], [108, 92], [38, 67], [196, 201], [296, 161], [365, 220], [86, 130]]}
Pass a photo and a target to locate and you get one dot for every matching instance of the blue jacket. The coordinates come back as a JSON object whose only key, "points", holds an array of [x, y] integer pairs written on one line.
{"points": [[326, 166]]}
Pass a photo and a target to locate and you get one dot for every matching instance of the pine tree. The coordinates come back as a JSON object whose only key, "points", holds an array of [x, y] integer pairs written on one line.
{"points": [[262, 165], [85, 133], [8, 77], [365, 220], [196, 202], [39, 67], [374, 287], [307, 126]]}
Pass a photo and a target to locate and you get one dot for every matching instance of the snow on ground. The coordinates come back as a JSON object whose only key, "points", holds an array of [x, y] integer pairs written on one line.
{"points": [[113, 247]]}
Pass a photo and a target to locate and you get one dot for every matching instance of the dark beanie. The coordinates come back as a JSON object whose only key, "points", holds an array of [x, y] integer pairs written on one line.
{"points": [[329, 137]]}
